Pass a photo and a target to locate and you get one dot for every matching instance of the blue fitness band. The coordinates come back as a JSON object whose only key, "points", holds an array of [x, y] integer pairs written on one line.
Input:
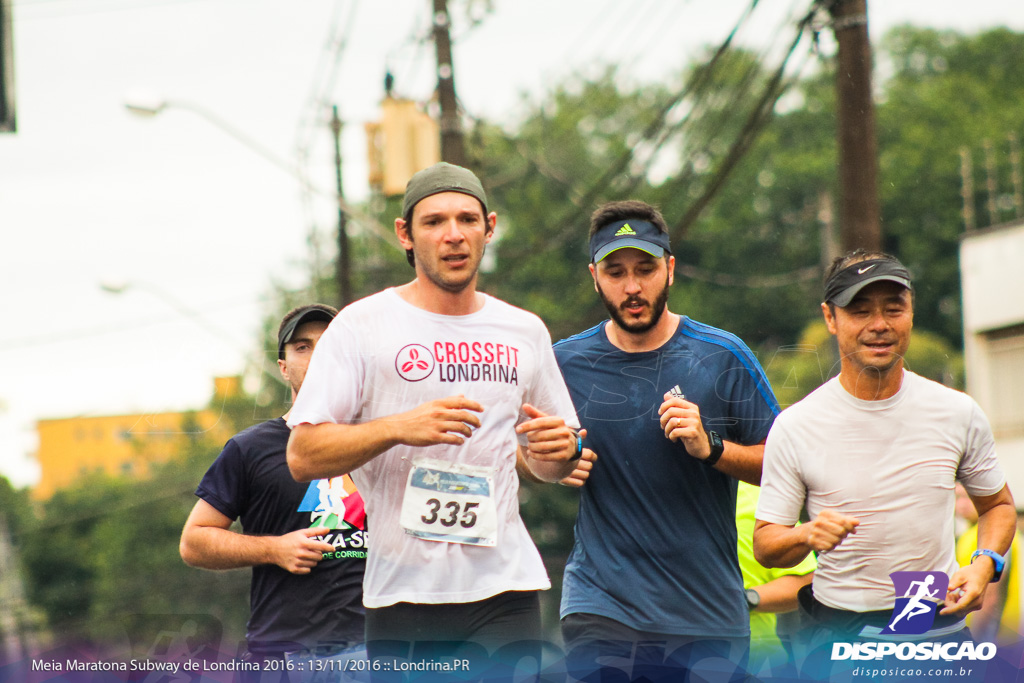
{"points": [[579, 448], [997, 560]]}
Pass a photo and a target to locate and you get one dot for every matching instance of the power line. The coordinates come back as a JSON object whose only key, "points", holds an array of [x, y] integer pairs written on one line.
{"points": [[324, 75], [127, 6], [749, 281], [725, 115], [696, 81], [36, 341], [758, 118]]}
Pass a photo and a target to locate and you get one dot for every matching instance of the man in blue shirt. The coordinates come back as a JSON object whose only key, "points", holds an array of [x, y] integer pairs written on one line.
{"points": [[676, 411]]}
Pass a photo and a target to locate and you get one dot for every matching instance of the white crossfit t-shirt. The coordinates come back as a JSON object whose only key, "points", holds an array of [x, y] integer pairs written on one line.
{"points": [[382, 356], [892, 464]]}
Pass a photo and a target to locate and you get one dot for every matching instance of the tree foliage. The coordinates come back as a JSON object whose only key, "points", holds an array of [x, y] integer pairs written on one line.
{"points": [[101, 561], [796, 370], [947, 91]]}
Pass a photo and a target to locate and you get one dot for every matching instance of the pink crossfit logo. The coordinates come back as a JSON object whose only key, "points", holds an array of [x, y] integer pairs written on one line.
{"points": [[414, 362]]}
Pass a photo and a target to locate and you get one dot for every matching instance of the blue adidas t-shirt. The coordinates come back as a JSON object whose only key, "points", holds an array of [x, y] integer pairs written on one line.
{"points": [[655, 541]]}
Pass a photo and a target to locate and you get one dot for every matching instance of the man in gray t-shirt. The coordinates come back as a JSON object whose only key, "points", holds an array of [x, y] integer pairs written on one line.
{"points": [[874, 453]]}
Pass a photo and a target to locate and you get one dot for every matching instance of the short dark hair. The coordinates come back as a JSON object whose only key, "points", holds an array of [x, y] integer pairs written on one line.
{"points": [[856, 256], [624, 210]]}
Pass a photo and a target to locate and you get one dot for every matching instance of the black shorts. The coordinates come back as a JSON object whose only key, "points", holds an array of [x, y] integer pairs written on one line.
{"points": [[598, 649], [504, 618], [497, 638]]}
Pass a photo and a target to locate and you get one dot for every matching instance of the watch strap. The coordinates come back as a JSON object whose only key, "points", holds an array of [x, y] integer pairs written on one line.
{"points": [[717, 448], [753, 598], [579, 447], [998, 560]]}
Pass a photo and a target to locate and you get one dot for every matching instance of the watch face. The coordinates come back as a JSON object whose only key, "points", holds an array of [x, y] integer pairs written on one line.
{"points": [[753, 598], [715, 439]]}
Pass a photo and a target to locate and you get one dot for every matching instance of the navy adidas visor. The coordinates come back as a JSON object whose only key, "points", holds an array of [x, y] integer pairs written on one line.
{"points": [[637, 234]]}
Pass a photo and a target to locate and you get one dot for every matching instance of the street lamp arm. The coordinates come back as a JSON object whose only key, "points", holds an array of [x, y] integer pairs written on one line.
{"points": [[153, 107], [238, 135], [193, 315]]}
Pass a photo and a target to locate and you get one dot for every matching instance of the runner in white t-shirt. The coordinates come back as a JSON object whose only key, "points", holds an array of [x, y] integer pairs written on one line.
{"points": [[875, 453], [422, 393]]}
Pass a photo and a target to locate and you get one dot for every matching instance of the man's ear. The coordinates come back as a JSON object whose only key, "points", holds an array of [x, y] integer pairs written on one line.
{"points": [[492, 223], [402, 231], [593, 274], [830, 320]]}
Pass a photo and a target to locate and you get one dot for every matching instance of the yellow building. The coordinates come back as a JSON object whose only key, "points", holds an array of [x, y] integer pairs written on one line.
{"points": [[121, 445]]}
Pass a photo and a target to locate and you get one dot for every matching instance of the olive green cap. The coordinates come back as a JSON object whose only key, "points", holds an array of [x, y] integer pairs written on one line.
{"points": [[442, 177]]}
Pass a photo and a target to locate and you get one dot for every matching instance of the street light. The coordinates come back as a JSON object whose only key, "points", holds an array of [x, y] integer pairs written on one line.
{"points": [[119, 287], [149, 106]]}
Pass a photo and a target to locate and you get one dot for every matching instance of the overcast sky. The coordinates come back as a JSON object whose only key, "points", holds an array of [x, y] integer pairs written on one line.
{"points": [[197, 224]]}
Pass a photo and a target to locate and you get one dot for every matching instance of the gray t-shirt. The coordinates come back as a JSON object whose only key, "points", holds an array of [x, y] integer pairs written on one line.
{"points": [[892, 464]]}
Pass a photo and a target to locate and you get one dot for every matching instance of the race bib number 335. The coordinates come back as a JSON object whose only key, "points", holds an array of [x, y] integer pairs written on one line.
{"points": [[451, 503]]}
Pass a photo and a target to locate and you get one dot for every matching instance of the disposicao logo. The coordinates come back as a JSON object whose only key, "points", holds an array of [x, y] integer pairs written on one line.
{"points": [[922, 593], [918, 597]]}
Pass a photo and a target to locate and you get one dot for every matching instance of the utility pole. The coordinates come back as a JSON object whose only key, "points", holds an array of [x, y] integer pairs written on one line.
{"points": [[991, 184], [7, 117], [967, 188], [1015, 176], [830, 248], [342, 272], [453, 149], [11, 598], [859, 213]]}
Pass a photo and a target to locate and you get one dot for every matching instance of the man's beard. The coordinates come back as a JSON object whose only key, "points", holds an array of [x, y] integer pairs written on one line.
{"points": [[639, 326]]}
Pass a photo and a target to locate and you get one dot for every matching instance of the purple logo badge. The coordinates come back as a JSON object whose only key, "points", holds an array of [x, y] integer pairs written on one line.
{"points": [[918, 596]]}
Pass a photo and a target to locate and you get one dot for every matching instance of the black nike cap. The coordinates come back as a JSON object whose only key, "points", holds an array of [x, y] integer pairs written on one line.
{"points": [[844, 285]]}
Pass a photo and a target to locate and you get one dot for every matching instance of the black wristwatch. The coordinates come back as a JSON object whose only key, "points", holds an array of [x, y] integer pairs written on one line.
{"points": [[579, 447], [717, 448], [753, 599]]}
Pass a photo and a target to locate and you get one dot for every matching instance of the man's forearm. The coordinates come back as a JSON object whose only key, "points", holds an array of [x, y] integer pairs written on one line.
{"points": [[549, 471], [777, 545], [779, 595], [216, 548], [996, 526], [329, 450], [742, 462], [997, 522]]}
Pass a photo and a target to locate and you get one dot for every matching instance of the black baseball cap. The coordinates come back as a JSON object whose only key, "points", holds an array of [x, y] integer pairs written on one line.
{"points": [[844, 285], [635, 233], [299, 316]]}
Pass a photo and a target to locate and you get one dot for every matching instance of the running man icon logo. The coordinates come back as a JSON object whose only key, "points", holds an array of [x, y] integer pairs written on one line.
{"points": [[922, 593]]}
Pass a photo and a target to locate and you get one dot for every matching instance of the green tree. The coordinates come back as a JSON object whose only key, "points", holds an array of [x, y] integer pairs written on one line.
{"points": [[948, 90], [545, 180], [798, 369], [101, 560]]}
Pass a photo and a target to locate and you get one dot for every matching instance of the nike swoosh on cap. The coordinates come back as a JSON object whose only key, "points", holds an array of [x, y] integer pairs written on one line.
{"points": [[861, 271]]}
